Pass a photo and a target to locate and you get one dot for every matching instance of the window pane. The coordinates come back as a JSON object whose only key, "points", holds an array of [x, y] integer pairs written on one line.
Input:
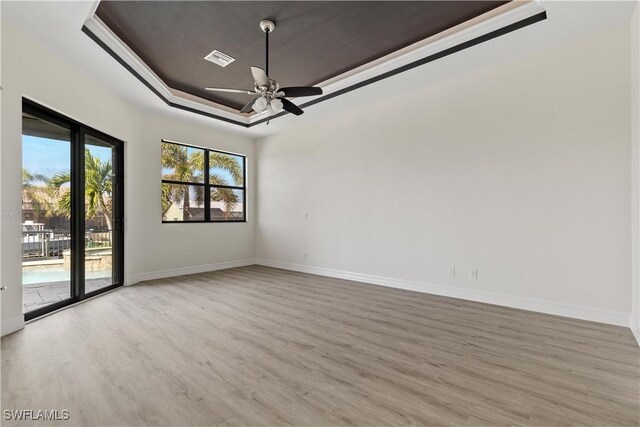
{"points": [[182, 202], [46, 213], [226, 169], [227, 204], [98, 171], [180, 163]]}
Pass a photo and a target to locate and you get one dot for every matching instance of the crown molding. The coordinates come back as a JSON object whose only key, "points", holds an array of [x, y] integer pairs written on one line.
{"points": [[502, 20], [105, 38]]}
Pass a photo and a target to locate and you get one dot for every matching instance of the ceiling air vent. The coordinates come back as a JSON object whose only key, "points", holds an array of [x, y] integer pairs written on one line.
{"points": [[219, 58]]}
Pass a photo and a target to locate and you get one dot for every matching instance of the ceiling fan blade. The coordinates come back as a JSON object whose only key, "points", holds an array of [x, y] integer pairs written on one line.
{"points": [[249, 107], [260, 77], [222, 89], [301, 91], [291, 107]]}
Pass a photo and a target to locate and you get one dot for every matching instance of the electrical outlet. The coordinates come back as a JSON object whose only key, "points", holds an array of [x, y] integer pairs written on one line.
{"points": [[452, 272], [306, 215], [304, 255], [473, 274], [186, 257]]}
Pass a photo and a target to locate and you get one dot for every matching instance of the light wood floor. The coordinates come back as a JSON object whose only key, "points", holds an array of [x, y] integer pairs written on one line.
{"points": [[260, 346]]}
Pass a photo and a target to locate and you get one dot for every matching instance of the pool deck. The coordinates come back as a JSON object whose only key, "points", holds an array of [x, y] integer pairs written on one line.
{"points": [[39, 295]]}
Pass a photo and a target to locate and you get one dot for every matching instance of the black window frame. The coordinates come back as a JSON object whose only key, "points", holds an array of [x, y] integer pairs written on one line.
{"points": [[206, 183]]}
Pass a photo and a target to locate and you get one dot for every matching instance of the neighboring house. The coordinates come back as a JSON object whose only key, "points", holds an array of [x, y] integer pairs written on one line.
{"points": [[41, 212], [176, 212], [38, 205]]}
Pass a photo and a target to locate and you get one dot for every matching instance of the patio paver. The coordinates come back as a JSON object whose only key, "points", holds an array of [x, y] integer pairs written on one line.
{"points": [[37, 295]]}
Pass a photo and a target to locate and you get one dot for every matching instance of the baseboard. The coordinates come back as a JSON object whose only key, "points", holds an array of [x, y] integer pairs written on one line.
{"points": [[523, 303], [537, 305], [182, 271], [12, 325]]}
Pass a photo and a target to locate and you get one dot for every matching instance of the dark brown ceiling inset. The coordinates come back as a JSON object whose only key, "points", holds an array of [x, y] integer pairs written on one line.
{"points": [[313, 41]]}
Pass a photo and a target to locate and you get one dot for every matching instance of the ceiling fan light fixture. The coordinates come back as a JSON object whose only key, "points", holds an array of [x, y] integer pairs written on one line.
{"points": [[276, 104], [260, 105]]}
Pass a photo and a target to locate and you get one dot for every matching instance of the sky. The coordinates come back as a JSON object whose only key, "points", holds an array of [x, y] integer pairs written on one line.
{"points": [[49, 156]]}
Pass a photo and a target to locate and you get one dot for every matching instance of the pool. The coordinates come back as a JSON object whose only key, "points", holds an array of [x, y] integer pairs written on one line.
{"points": [[33, 275]]}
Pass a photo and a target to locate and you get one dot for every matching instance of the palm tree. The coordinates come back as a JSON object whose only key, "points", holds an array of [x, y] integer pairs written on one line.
{"points": [[226, 195], [189, 168], [98, 188], [185, 168], [34, 194]]}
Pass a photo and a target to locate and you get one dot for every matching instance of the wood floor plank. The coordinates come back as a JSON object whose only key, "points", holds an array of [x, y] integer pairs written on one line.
{"points": [[267, 347]]}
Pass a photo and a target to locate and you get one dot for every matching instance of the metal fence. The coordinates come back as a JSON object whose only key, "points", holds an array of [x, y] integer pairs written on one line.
{"points": [[50, 244], [45, 244], [97, 238]]}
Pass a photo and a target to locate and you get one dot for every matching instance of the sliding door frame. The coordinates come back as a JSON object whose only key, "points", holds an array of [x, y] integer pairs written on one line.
{"points": [[78, 133]]}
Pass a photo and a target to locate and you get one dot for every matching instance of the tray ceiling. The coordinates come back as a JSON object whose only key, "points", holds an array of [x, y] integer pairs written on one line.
{"points": [[313, 41]]}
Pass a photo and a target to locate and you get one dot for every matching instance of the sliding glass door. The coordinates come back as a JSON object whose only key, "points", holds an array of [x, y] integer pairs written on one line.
{"points": [[46, 226], [72, 209]]}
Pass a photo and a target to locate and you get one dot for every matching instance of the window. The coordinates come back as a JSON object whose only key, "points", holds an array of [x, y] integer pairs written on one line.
{"points": [[202, 185]]}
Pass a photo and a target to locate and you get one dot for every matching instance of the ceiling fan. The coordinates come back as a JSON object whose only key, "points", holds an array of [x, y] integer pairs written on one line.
{"points": [[270, 96]]}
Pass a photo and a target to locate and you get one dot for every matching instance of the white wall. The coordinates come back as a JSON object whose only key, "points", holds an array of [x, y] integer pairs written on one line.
{"points": [[635, 176], [162, 246], [150, 247], [520, 169]]}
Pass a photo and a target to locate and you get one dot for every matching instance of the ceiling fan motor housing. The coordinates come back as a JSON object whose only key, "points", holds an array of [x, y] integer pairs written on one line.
{"points": [[267, 25]]}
